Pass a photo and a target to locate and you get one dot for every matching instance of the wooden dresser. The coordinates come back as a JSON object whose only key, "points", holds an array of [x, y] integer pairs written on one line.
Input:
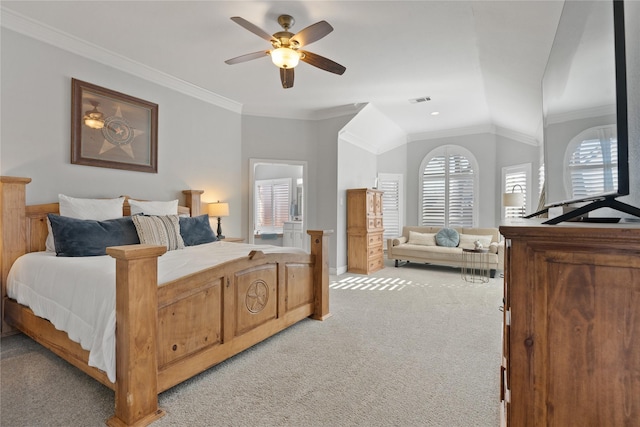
{"points": [[364, 231], [571, 347]]}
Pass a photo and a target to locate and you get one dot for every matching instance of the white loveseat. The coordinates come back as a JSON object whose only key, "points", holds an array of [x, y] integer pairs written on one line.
{"points": [[418, 244]]}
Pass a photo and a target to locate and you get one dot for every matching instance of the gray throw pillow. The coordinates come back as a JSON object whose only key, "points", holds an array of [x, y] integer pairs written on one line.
{"points": [[86, 237], [196, 230], [447, 237]]}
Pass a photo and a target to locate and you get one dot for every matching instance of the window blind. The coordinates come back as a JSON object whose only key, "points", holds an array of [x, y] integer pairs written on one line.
{"points": [[273, 198], [391, 185], [593, 167], [448, 191], [515, 182]]}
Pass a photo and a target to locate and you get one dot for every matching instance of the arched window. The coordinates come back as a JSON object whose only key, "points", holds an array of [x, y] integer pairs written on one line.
{"points": [[448, 183], [592, 162]]}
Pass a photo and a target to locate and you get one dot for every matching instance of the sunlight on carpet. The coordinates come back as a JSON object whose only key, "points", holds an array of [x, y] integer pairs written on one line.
{"points": [[366, 283]]}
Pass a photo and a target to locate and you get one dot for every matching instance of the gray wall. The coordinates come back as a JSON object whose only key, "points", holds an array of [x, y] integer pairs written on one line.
{"points": [[357, 168], [35, 138], [483, 147], [314, 141], [213, 156]]}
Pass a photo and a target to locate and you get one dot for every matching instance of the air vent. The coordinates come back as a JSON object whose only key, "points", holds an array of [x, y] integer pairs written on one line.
{"points": [[421, 99]]}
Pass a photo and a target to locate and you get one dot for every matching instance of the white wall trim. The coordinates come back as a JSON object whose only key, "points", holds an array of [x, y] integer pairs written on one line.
{"points": [[473, 130], [46, 34], [352, 138]]}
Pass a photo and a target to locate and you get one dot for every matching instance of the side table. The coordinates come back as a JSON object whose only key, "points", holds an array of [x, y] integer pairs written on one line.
{"points": [[475, 265], [233, 239]]}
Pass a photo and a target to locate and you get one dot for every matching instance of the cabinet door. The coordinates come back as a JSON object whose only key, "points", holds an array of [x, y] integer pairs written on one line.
{"points": [[574, 336]]}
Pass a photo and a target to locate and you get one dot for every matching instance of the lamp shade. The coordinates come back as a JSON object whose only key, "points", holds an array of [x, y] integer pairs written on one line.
{"points": [[218, 209], [513, 199], [284, 57]]}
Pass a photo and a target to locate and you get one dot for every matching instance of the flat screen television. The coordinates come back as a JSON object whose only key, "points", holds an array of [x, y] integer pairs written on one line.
{"points": [[584, 97]]}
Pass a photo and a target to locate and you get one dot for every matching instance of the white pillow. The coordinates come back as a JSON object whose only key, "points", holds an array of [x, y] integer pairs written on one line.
{"points": [[96, 209], [467, 241], [424, 239], [153, 208]]}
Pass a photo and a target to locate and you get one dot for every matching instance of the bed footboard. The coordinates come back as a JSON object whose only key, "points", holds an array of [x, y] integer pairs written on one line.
{"points": [[166, 334]]}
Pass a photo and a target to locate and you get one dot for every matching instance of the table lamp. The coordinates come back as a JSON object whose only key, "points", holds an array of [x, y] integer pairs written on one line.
{"points": [[219, 209]]}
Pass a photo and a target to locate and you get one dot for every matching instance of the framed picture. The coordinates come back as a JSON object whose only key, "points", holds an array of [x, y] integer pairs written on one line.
{"points": [[112, 130]]}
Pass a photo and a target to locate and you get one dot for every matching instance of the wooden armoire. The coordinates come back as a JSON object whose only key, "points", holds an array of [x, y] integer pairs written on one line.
{"points": [[571, 349], [365, 253]]}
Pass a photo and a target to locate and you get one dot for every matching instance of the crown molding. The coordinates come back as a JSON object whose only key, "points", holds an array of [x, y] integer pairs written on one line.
{"points": [[473, 130], [516, 136], [46, 34], [352, 138], [449, 133]]}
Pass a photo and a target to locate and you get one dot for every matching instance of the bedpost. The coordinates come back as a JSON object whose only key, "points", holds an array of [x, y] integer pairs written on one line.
{"points": [[193, 201], [136, 334], [320, 251], [13, 229]]}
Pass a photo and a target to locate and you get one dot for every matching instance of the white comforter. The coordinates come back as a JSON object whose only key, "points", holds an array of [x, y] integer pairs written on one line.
{"points": [[77, 295]]}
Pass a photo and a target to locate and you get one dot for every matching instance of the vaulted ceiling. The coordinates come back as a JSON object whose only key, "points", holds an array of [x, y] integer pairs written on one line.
{"points": [[479, 62]]}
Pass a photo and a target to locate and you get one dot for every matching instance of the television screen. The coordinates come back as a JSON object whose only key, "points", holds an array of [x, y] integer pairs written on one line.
{"points": [[585, 106]]}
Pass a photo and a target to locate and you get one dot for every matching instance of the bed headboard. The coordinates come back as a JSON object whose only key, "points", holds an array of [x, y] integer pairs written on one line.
{"points": [[23, 228]]}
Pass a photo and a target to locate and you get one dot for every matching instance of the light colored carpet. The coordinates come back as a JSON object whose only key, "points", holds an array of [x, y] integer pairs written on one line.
{"points": [[408, 346]]}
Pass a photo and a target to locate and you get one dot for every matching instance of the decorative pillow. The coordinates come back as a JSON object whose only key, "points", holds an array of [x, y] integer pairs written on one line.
{"points": [[493, 247], [196, 230], [86, 237], [424, 239], [447, 237], [159, 230], [467, 241], [153, 207], [96, 209]]}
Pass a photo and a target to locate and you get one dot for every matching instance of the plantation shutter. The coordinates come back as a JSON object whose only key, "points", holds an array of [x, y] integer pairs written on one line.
{"points": [[515, 182], [460, 192], [593, 166], [434, 192], [272, 204], [391, 185], [448, 192]]}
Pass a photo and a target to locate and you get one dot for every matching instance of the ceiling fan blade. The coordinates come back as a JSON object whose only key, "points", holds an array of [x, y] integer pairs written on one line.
{"points": [[312, 33], [253, 28], [247, 57], [286, 77], [321, 62]]}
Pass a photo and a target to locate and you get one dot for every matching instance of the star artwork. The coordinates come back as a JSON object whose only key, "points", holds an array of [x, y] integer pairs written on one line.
{"points": [[118, 133]]}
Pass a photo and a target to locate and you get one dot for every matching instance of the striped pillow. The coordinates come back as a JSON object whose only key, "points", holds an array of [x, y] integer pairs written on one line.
{"points": [[159, 230]]}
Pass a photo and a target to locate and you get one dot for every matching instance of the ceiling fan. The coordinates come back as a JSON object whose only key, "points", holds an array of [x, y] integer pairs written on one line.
{"points": [[287, 52]]}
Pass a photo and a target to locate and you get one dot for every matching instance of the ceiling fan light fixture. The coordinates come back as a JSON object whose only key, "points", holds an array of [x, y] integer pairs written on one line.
{"points": [[94, 118], [285, 57]]}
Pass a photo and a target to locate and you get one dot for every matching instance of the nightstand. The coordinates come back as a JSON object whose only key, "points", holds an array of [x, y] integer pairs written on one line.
{"points": [[233, 239]]}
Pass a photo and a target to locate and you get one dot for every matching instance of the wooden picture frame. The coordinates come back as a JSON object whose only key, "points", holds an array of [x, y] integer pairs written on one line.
{"points": [[112, 130]]}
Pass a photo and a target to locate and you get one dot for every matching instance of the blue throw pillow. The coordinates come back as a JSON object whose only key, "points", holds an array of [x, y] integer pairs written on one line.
{"points": [[196, 230], [448, 237], [86, 237]]}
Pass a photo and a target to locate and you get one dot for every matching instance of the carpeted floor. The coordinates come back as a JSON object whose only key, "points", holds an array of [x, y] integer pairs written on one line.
{"points": [[408, 346]]}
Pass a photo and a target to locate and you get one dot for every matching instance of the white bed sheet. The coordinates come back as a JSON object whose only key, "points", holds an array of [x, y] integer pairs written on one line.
{"points": [[77, 295]]}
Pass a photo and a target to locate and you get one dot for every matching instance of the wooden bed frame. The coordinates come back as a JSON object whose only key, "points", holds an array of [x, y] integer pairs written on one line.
{"points": [[167, 334]]}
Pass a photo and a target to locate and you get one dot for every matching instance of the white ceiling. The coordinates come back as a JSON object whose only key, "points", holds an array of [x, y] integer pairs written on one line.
{"points": [[479, 61]]}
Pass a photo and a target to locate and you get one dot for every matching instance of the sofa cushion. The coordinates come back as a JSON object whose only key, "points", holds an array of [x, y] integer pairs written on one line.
{"points": [[447, 237], [467, 241], [425, 239]]}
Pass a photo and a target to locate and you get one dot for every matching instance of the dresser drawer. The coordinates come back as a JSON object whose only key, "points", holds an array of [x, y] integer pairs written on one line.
{"points": [[375, 250], [374, 239], [375, 264]]}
